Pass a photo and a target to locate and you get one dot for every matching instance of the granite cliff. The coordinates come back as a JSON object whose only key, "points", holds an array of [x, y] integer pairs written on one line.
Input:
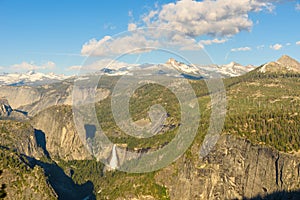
{"points": [[235, 169]]}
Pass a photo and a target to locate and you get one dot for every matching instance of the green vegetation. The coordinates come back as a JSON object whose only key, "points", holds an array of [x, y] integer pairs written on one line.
{"points": [[20, 179], [2, 188], [261, 107], [265, 109], [113, 184], [141, 102]]}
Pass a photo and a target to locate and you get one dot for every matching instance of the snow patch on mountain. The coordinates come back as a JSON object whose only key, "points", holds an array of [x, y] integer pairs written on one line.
{"points": [[234, 69], [30, 78], [175, 68]]}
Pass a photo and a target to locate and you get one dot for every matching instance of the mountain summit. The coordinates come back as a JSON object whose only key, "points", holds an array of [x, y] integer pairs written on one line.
{"points": [[181, 67], [284, 64], [288, 61]]}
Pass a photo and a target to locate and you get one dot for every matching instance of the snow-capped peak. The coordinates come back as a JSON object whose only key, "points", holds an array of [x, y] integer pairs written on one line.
{"points": [[31, 72], [182, 67], [30, 78], [234, 69]]}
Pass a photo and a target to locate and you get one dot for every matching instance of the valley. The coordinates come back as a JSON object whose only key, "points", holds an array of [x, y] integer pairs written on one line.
{"points": [[257, 154]]}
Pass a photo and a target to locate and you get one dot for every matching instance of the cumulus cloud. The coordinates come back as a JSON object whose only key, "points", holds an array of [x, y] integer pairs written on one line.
{"points": [[138, 41], [214, 41], [241, 49], [91, 45], [131, 26], [276, 47], [109, 46], [99, 64], [298, 43], [217, 18], [192, 19], [26, 66]]}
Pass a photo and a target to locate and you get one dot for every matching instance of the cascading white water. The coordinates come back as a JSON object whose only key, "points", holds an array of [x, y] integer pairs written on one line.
{"points": [[114, 159]]}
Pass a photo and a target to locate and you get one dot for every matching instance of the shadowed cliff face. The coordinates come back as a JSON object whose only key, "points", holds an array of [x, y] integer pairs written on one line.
{"points": [[64, 186], [62, 140], [280, 195], [20, 137], [235, 169]]}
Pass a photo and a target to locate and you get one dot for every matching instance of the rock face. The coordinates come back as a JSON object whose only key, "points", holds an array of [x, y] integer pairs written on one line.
{"points": [[62, 139], [284, 64], [22, 182], [18, 96], [6, 111], [21, 137], [5, 108], [35, 99], [235, 169], [288, 61]]}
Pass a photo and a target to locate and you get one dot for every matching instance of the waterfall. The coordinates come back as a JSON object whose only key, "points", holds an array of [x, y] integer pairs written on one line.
{"points": [[114, 159]]}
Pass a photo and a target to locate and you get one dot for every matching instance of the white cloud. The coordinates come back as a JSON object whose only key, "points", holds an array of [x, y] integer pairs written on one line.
{"points": [[288, 44], [214, 41], [138, 41], [100, 64], [91, 45], [147, 17], [241, 49], [217, 18], [25, 66], [276, 47], [110, 47], [131, 26], [298, 43], [182, 23], [297, 6]]}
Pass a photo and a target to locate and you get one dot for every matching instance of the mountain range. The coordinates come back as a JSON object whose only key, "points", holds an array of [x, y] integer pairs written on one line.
{"points": [[30, 78], [256, 156], [37, 78], [233, 69]]}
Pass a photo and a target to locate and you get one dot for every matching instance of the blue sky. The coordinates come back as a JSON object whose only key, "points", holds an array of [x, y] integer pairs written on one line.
{"points": [[49, 35]]}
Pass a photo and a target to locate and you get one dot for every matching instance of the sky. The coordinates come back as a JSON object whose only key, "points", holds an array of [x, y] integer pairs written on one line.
{"points": [[60, 36]]}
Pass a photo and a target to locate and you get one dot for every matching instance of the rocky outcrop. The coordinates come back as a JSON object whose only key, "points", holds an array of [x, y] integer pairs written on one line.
{"points": [[6, 111], [284, 64], [235, 169], [20, 137], [21, 181], [62, 139], [5, 108]]}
